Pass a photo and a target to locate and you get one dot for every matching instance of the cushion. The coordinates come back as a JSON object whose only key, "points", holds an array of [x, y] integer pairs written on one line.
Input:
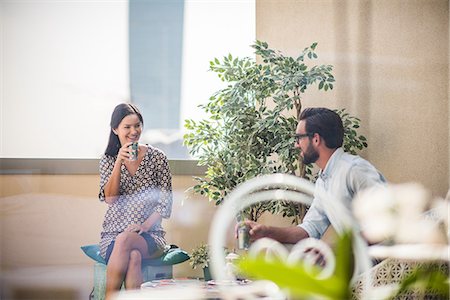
{"points": [[93, 251], [171, 256]]}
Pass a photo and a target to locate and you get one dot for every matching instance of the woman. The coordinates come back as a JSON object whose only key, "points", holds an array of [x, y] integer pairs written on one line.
{"points": [[139, 195]]}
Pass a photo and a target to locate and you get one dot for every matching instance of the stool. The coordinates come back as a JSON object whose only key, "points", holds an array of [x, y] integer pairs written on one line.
{"points": [[152, 269]]}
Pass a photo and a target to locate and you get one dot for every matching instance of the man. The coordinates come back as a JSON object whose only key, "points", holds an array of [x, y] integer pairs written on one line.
{"points": [[319, 136]]}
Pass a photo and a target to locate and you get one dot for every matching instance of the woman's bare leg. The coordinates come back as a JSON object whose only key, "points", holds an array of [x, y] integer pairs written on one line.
{"points": [[119, 260], [133, 277]]}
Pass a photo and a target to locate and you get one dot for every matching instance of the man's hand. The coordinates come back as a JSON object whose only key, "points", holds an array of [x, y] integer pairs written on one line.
{"points": [[256, 231]]}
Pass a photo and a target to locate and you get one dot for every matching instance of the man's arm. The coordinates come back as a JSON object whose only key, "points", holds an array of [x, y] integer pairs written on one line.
{"points": [[286, 235]]}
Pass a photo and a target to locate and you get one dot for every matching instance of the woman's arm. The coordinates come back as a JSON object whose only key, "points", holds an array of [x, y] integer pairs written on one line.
{"points": [[112, 187], [113, 184], [164, 178], [154, 218]]}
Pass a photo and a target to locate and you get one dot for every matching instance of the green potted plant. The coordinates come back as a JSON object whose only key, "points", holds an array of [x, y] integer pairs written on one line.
{"points": [[251, 124], [200, 258]]}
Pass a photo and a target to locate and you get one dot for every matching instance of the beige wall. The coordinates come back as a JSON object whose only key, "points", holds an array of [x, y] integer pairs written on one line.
{"points": [[390, 61]]}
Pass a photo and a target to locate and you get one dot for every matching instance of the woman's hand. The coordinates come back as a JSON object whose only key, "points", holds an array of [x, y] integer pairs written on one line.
{"points": [[136, 228], [124, 152], [112, 187]]}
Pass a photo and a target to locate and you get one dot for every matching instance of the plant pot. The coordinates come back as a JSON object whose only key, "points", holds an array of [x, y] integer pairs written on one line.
{"points": [[206, 274]]}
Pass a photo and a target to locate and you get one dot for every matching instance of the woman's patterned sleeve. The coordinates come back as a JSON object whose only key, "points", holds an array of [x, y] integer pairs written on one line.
{"points": [[164, 206], [105, 168]]}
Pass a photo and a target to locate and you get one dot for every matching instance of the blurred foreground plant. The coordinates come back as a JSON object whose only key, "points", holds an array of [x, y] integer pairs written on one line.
{"points": [[299, 281], [406, 217]]}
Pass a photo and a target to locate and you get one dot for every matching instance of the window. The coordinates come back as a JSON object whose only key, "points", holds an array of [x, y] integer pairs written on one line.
{"points": [[66, 64], [177, 77]]}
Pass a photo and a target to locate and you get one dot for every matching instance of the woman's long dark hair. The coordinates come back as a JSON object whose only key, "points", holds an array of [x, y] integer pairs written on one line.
{"points": [[121, 111]]}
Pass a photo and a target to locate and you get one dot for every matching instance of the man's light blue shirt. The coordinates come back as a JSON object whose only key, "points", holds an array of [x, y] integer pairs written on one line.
{"points": [[343, 176]]}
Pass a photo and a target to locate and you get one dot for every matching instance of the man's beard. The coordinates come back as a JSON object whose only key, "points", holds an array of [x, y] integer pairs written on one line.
{"points": [[310, 155]]}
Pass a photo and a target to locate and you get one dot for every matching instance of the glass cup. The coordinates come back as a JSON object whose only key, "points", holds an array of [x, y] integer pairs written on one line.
{"points": [[134, 151], [243, 236]]}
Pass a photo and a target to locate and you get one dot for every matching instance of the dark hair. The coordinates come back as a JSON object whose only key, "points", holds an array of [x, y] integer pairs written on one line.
{"points": [[326, 123], [121, 111]]}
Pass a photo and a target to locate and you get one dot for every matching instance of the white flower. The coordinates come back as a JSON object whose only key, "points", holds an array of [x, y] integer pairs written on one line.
{"points": [[439, 215], [397, 212], [411, 199], [375, 210]]}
